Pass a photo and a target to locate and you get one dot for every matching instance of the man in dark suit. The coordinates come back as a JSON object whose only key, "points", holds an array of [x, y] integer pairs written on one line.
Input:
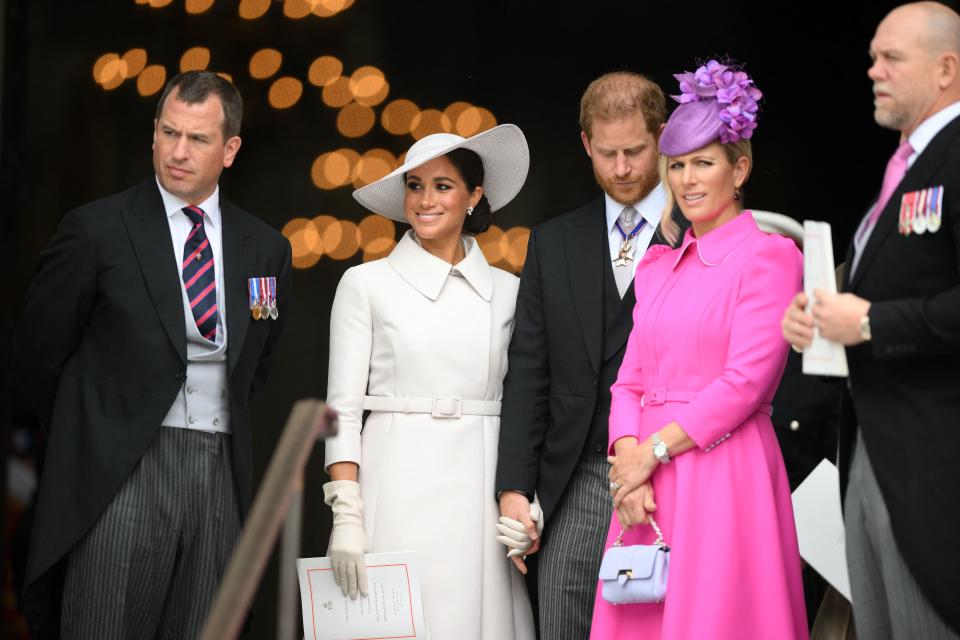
{"points": [[574, 313], [899, 317], [139, 354]]}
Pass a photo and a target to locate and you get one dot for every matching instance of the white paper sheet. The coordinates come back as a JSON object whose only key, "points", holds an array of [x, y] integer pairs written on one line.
{"points": [[393, 608], [823, 357], [816, 511]]}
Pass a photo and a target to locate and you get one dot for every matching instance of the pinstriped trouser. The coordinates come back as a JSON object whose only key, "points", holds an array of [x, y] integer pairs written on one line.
{"points": [[151, 564], [572, 550], [887, 601]]}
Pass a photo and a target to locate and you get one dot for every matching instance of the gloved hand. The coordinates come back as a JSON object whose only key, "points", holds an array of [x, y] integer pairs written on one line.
{"points": [[513, 534], [348, 542]]}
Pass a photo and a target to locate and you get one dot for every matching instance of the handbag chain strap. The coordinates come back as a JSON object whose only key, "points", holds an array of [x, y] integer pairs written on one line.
{"points": [[653, 523]]}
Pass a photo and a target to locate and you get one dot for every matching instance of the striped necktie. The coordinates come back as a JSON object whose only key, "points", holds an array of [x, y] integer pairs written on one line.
{"points": [[199, 277]]}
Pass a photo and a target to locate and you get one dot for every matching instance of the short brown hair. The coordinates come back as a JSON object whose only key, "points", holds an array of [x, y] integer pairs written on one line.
{"points": [[196, 86], [622, 93]]}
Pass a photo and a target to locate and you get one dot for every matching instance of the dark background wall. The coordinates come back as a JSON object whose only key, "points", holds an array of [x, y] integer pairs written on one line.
{"points": [[65, 140]]}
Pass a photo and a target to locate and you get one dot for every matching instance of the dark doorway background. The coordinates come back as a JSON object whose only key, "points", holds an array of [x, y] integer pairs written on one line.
{"points": [[65, 140]]}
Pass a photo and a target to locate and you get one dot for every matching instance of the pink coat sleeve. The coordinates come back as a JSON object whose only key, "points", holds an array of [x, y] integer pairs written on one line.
{"points": [[756, 353], [627, 390]]}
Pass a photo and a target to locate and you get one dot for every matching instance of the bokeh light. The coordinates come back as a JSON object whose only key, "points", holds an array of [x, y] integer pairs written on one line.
{"points": [[265, 63], [430, 121], [324, 70], [335, 169], [454, 111], [198, 6], [195, 59], [337, 92], [225, 76], [297, 8], [369, 86], [489, 242], [285, 92], [473, 121], [329, 8], [136, 60], [354, 120], [341, 240], [374, 164], [398, 117], [156, 4], [513, 247], [151, 79], [253, 9], [109, 71]]}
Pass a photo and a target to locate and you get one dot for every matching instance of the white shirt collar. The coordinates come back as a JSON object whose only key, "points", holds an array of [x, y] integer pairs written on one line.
{"points": [[427, 273], [211, 206], [930, 127], [650, 208]]}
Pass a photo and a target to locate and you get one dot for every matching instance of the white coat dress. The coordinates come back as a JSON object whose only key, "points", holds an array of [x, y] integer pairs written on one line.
{"points": [[411, 326]]}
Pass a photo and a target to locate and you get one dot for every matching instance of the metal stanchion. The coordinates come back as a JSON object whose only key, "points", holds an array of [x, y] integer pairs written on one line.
{"points": [[287, 612], [309, 420]]}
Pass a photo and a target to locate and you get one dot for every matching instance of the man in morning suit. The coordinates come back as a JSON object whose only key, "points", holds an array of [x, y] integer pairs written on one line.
{"points": [[574, 313], [899, 317], [140, 355]]}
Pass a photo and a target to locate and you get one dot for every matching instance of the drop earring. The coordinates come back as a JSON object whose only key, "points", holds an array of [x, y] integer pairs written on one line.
{"points": [[469, 211]]}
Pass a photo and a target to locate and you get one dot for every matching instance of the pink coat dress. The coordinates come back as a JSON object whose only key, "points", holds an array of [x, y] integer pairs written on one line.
{"points": [[706, 351]]}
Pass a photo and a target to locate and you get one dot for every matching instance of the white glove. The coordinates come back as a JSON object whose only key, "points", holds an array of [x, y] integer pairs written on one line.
{"points": [[348, 542], [514, 535]]}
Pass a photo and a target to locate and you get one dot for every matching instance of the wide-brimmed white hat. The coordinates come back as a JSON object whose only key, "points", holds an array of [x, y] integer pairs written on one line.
{"points": [[503, 150]]}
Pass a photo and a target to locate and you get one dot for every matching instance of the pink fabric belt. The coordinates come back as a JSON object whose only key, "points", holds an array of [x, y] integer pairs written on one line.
{"points": [[663, 395]]}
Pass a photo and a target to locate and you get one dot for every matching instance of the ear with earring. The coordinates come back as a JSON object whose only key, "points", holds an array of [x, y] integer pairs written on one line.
{"points": [[469, 211], [737, 195]]}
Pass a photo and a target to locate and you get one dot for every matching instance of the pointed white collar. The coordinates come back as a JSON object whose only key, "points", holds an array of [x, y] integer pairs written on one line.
{"points": [[427, 273]]}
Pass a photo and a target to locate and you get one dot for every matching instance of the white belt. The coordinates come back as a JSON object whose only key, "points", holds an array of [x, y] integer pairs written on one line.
{"points": [[437, 406]]}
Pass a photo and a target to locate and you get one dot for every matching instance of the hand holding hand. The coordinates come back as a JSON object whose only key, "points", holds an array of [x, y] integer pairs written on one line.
{"points": [[632, 467], [520, 526], [636, 506]]}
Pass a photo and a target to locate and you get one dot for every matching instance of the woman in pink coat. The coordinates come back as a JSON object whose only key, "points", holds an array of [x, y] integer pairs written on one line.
{"points": [[690, 419]]}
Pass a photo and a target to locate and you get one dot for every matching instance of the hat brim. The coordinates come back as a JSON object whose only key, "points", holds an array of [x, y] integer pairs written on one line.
{"points": [[506, 161]]}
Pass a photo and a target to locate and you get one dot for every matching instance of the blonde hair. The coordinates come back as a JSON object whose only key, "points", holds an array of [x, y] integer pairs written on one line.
{"points": [[620, 94], [733, 151]]}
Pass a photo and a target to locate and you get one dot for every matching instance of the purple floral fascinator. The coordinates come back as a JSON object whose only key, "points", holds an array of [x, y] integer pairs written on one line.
{"points": [[716, 101]]}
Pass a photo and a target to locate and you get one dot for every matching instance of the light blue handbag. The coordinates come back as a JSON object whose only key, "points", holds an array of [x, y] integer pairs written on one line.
{"points": [[637, 573]]}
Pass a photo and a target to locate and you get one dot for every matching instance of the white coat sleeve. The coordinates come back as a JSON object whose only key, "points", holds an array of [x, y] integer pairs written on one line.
{"points": [[351, 342]]}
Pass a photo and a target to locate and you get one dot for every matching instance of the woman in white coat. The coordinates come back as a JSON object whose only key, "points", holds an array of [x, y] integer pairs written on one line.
{"points": [[419, 339]]}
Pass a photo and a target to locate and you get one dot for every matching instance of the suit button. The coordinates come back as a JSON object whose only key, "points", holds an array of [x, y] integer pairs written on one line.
{"points": [[794, 425], [598, 448], [191, 420], [216, 422], [190, 391]]}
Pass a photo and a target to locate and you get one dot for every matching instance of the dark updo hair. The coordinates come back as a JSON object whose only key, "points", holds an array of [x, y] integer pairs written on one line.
{"points": [[470, 167]]}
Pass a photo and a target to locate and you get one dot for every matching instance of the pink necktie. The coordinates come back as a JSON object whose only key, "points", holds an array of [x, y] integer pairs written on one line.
{"points": [[896, 167]]}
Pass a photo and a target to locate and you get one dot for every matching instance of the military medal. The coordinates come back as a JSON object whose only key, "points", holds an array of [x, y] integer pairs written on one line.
{"points": [[272, 290], [626, 246], [919, 213], [935, 209], [253, 285]]}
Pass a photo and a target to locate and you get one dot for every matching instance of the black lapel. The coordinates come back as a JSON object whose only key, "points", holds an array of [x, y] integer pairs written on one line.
{"points": [[238, 265], [917, 177], [149, 232], [586, 247]]}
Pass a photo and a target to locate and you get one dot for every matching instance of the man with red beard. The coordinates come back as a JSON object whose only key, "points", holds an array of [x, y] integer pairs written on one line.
{"points": [[574, 313]]}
